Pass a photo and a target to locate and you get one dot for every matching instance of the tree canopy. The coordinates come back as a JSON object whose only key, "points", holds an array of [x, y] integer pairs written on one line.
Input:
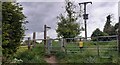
{"points": [[67, 25], [108, 28], [12, 28], [96, 33]]}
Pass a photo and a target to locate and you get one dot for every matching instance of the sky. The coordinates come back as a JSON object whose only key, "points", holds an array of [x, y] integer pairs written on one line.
{"points": [[40, 12]]}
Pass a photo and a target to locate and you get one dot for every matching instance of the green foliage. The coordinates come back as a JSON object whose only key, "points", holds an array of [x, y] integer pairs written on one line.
{"points": [[68, 27], [116, 28], [107, 31], [12, 28], [36, 55], [60, 54], [97, 33], [108, 28]]}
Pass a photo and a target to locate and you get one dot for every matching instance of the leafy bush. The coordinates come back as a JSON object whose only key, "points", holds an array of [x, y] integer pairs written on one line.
{"points": [[35, 55], [60, 54], [12, 28]]}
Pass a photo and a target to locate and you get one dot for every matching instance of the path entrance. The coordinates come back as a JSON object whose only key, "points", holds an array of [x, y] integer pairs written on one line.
{"points": [[51, 60]]}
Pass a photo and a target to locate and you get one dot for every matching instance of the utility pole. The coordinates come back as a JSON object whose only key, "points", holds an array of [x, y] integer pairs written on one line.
{"points": [[85, 17]]}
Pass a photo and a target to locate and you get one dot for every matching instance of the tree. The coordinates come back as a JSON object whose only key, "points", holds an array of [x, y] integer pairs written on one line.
{"points": [[0, 23], [12, 28], [96, 33], [67, 25], [108, 28], [116, 28]]}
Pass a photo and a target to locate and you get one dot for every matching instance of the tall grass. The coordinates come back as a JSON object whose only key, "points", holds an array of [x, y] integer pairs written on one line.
{"points": [[90, 55], [35, 55]]}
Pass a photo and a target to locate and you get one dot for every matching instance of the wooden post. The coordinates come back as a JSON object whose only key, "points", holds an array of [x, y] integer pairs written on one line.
{"points": [[34, 42], [62, 44], [45, 37], [98, 47], [45, 41], [29, 43]]}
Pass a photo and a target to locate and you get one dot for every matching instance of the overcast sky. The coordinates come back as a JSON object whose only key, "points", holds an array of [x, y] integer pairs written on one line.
{"points": [[45, 12]]}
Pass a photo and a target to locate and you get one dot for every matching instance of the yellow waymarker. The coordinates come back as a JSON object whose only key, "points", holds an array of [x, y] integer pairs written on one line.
{"points": [[80, 44]]}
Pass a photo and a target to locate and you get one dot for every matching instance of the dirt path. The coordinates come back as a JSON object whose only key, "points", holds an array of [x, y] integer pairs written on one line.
{"points": [[51, 60]]}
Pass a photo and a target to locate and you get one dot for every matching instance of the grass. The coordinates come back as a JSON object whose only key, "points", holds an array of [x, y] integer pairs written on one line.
{"points": [[107, 53], [35, 55], [89, 53], [22, 49]]}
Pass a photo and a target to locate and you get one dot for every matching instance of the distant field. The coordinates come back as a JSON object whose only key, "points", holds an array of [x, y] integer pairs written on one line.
{"points": [[22, 49]]}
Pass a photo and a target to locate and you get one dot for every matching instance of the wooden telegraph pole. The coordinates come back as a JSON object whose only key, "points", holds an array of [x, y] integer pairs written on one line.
{"points": [[34, 42], [85, 17]]}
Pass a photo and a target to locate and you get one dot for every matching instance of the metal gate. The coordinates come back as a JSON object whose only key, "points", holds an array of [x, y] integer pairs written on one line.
{"points": [[104, 46]]}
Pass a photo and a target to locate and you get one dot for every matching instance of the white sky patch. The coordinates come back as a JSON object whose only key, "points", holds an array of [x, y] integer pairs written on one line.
{"points": [[52, 33], [119, 9]]}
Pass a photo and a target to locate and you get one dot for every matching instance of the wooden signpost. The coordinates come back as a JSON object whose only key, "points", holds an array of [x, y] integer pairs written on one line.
{"points": [[45, 37]]}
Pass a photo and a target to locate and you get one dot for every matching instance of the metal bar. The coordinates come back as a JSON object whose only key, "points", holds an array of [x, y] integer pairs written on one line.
{"points": [[77, 38], [109, 36], [45, 39], [106, 41]]}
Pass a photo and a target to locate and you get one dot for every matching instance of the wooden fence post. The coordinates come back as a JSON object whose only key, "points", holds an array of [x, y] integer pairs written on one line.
{"points": [[98, 51], [29, 43], [62, 44], [34, 42]]}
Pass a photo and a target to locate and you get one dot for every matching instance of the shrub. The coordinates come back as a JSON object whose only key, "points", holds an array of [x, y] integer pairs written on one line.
{"points": [[35, 55]]}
